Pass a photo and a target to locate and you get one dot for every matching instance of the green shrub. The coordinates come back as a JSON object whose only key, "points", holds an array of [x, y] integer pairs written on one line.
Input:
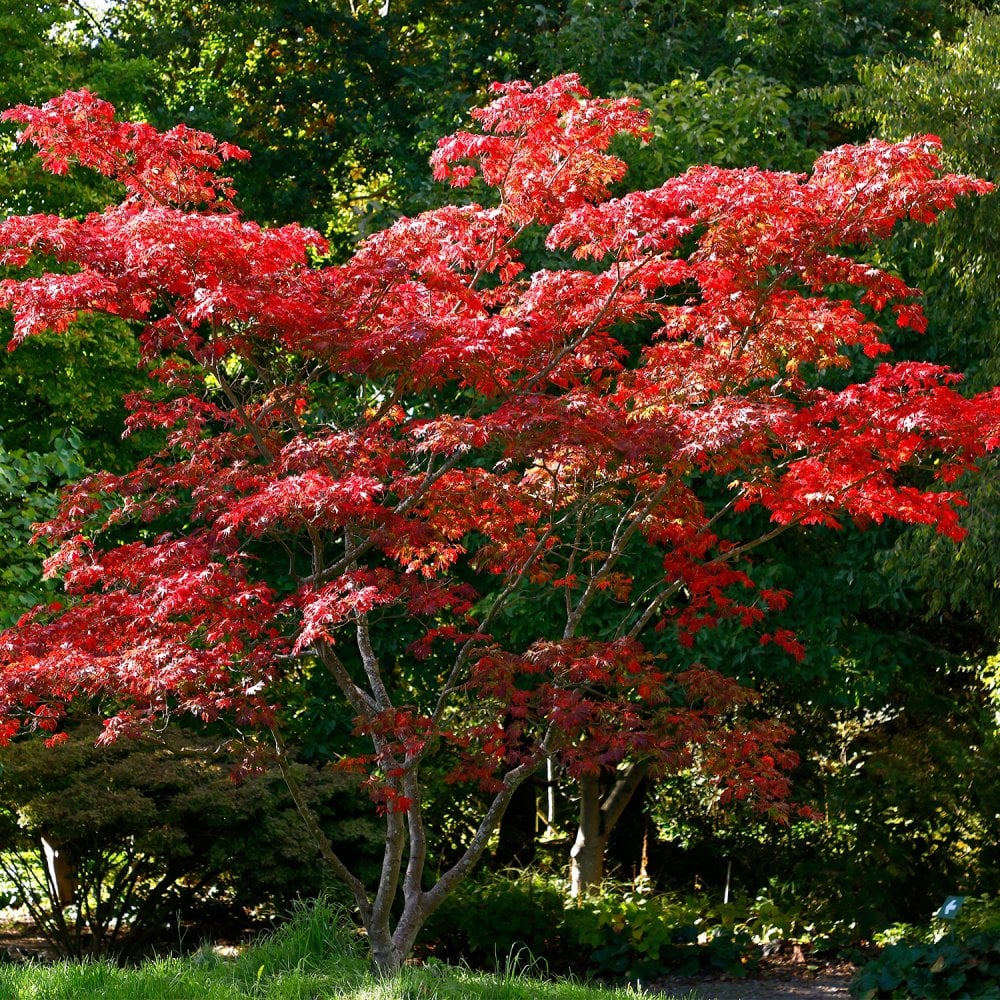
{"points": [[951, 967], [978, 915], [637, 934], [492, 917], [153, 833], [625, 933]]}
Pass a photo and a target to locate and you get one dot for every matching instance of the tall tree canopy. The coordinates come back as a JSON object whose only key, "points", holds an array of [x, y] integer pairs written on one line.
{"points": [[953, 92], [340, 102], [354, 453]]}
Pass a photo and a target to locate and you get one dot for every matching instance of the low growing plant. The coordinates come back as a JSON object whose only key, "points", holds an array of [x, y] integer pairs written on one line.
{"points": [[492, 917], [625, 932], [318, 953], [638, 934], [978, 915], [951, 967]]}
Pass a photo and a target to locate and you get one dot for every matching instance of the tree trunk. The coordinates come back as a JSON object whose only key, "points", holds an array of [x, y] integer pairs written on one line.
{"points": [[405, 836], [586, 857], [386, 959], [390, 948], [586, 870], [597, 818]]}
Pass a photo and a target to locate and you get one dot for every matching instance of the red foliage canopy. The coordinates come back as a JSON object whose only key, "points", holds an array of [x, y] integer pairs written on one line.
{"points": [[348, 447]]}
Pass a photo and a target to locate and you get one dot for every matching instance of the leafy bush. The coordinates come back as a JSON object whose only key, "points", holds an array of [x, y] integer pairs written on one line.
{"points": [[908, 796], [952, 967], [638, 934], [26, 496], [146, 831], [490, 918], [626, 932], [978, 915]]}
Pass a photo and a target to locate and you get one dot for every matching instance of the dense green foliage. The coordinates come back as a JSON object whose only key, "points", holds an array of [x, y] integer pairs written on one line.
{"points": [[155, 833], [957, 957], [28, 480], [968, 969], [774, 63], [953, 93], [619, 932], [61, 398], [339, 103]]}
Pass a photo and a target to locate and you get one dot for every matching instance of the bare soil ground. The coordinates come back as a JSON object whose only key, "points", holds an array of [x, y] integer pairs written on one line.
{"points": [[814, 981], [19, 942]]}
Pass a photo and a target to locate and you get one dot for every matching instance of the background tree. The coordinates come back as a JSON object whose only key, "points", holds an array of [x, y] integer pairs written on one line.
{"points": [[28, 485], [953, 93], [773, 65], [756, 85], [340, 103], [61, 398]]}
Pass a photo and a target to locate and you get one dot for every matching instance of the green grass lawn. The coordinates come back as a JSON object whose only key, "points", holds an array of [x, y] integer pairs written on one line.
{"points": [[311, 958]]}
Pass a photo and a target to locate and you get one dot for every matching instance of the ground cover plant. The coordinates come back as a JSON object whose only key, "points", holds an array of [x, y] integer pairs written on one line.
{"points": [[946, 968], [958, 956], [617, 932], [368, 469]]}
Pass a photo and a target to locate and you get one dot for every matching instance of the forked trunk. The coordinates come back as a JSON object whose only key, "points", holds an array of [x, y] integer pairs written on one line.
{"points": [[405, 834], [389, 950]]}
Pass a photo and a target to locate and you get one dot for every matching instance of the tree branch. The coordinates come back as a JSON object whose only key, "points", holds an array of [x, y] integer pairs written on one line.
{"points": [[319, 838]]}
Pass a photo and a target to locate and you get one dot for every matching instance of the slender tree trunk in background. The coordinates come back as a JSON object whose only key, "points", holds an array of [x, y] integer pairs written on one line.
{"points": [[586, 858], [550, 793], [597, 818]]}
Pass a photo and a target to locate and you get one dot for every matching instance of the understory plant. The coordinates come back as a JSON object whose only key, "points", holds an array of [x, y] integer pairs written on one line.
{"points": [[618, 931], [952, 956], [950, 967], [113, 849], [316, 953]]}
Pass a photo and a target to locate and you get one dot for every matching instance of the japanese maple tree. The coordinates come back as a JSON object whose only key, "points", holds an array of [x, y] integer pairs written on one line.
{"points": [[412, 442]]}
